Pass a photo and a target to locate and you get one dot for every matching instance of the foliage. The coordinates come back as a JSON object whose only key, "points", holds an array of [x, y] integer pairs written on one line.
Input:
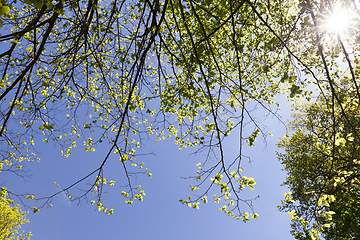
{"points": [[321, 154], [90, 72], [321, 158], [11, 219], [191, 70]]}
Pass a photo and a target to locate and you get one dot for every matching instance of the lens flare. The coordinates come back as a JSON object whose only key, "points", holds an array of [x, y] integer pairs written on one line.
{"points": [[338, 21]]}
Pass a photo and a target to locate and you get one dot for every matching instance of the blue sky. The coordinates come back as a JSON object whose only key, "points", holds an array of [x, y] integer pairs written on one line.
{"points": [[160, 215]]}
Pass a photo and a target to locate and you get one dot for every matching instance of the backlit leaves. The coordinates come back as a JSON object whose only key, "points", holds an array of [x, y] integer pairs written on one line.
{"points": [[115, 73], [320, 158], [11, 219]]}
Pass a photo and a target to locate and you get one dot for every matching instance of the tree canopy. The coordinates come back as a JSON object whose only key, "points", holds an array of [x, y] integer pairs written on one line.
{"points": [[321, 158], [91, 72], [11, 219]]}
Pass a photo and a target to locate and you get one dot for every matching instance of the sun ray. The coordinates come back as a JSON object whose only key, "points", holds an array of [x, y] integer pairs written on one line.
{"points": [[338, 21]]}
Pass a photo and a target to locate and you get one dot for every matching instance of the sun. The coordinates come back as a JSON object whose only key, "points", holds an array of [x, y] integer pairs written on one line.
{"points": [[338, 21]]}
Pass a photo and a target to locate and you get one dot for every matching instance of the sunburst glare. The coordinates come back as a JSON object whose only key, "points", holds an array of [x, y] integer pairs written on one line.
{"points": [[338, 21]]}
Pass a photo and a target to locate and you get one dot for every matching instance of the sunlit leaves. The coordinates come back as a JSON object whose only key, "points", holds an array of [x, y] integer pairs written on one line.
{"points": [[4, 10], [226, 195], [118, 74], [252, 137], [11, 219], [35, 210], [320, 159]]}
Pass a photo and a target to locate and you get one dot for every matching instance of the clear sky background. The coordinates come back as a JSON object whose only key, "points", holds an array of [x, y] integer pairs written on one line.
{"points": [[160, 215]]}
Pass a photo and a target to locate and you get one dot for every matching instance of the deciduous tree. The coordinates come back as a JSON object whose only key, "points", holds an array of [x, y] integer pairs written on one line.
{"points": [[114, 72], [321, 153], [322, 160], [11, 219], [132, 66]]}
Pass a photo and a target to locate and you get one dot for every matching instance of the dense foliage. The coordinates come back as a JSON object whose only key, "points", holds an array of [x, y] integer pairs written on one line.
{"points": [[321, 158], [97, 72], [321, 153], [11, 219]]}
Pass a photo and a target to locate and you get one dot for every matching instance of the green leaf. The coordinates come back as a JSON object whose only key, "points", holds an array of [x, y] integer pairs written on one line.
{"points": [[4, 10], [35, 210]]}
